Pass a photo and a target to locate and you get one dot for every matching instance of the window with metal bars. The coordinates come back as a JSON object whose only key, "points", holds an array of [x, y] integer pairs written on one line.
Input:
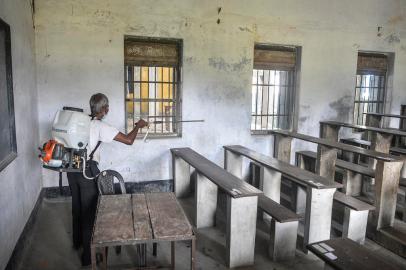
{"points": [[151, 86], [370, 86], [273, 87]]}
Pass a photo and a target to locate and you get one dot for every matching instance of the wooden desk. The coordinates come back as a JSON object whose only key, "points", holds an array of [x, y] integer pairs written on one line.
{"points": [[132, 219], [381, 137], [375, 119], [350, 255]]}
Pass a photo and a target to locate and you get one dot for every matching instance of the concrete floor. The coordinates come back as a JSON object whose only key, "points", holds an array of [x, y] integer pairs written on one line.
{"points": [[50, 247]]}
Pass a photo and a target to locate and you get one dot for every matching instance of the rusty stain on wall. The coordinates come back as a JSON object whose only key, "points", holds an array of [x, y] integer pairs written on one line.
{"points": [[396, 19]]}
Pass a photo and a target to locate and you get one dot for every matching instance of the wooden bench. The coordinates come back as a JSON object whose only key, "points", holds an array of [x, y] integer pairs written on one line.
{"points": [[381, 138], [242, 201], [355, 211], [319, 190], [284, 225], [345, 254], [386, 174], [397, 151], [352, 173]]}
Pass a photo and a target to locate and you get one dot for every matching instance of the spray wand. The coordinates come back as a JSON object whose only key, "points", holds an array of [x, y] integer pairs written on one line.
{"points": [[162, 122]]}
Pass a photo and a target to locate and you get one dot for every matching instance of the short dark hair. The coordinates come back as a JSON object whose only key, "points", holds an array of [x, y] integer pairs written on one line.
{"points": [[97, 103]]}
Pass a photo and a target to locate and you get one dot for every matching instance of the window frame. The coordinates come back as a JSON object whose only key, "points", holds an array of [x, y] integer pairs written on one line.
{"points": [[11, 117], [292, 102], [372, 72], [178, 96]]}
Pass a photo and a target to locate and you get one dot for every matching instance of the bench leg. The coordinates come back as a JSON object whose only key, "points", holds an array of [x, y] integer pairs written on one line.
{"points": [[386, 189], [355, 224], [181, 176], [282, 244], [319, 203], [352, 183], [326, 162], [233, 163], [270, 184], [241, 229], [205, 202], [379, 143], [93, 254]]}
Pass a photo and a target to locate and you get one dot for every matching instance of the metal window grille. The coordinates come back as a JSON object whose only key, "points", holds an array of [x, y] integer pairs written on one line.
{"points": [[272, 99], [151, 94], [369, 96], [151, 84]]}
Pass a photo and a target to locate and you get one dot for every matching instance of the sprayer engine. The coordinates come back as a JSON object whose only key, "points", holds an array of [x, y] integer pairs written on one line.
{"points": [[70, 136]]}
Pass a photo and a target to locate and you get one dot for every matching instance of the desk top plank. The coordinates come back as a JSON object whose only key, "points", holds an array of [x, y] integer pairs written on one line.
{"points": [[352, 202], [142, 225], [387, 115], [276, 210], [298, 175], [114, 222], [351, 256], [374, 129], [167, 217], [337, 145], [229, 183]]}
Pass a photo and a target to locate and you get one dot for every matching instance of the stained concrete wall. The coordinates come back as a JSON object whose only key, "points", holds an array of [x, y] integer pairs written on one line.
{"points": [[20, 181], [80, 52]]}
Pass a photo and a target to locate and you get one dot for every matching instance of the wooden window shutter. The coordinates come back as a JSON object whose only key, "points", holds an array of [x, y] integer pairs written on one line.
{"points": [[140, 53], [269, 58], [372, 63]]}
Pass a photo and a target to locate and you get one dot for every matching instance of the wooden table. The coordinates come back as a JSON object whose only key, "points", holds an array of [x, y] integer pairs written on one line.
{"points": [[132, 219], [349, 255]]}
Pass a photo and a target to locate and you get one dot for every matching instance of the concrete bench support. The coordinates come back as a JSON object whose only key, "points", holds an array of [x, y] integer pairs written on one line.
{"points": [[282, 245], [205, 202], [319, 204], [386, 188], [241, 229], [329, 132], [282, 147], [181, 176], [326, 162], [233, 163], [355, 224], [352, 183], [270, 184]]}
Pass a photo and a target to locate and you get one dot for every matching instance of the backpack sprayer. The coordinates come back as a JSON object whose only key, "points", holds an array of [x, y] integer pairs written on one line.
{"points": [[66, 151]]}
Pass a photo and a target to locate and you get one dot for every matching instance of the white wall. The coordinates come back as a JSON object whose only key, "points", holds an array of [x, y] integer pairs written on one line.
{"points": [[80, 52], [20, 181]]}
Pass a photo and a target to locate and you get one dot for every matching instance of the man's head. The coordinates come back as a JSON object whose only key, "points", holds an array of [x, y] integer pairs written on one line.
{"points": [[99, 105]]}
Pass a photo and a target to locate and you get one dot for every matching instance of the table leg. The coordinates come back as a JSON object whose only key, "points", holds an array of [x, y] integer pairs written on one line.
{"points": [[173, 254], [104, 254], [193, 254], [93, 254]]}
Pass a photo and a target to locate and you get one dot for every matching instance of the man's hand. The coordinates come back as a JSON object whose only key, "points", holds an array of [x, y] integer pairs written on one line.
{"points": [[142, 123]]}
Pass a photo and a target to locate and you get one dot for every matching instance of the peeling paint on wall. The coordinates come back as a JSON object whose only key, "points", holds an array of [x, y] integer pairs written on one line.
{"points": [[343, 107], [392, 38], [245, 29], [220, 64]]}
